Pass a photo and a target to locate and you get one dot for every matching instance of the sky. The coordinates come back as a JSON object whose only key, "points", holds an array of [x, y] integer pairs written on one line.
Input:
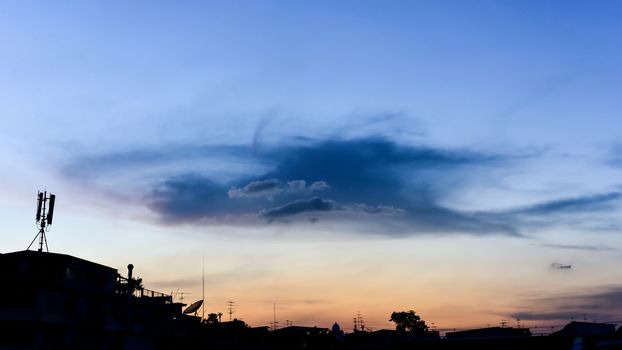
{"points": [[460, 159]]}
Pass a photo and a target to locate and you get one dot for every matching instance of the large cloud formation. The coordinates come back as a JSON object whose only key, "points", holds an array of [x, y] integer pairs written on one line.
{"points": [[372, 182], [370, 179]]}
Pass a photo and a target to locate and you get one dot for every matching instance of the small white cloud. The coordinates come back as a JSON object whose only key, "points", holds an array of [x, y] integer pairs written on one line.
{"points": [[300, 186], [379, 209], [261, 188], [296, 185]]}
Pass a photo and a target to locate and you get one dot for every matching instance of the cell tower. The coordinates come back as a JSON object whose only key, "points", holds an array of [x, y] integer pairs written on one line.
{"points": [[45, 214]]}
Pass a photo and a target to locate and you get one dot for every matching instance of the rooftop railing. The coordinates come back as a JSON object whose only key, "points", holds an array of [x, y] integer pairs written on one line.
{"points": [[135, 288]]}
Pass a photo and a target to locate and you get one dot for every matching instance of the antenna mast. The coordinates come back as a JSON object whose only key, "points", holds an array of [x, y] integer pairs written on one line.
{"points": [[231, 305], [45, 214], [276, 324]]}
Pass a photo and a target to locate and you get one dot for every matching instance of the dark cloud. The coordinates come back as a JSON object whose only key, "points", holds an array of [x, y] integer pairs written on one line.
{"points": [[191, 198], [375, 170], [382, 174], [299, 206], [560, 266], [604, 304], [368, 177], [187, 197]]}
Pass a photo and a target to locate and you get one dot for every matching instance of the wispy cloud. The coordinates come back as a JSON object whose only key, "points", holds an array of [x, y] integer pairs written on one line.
{"points": [[561, 212], [549, 86], [587, 203], [587, 247]]}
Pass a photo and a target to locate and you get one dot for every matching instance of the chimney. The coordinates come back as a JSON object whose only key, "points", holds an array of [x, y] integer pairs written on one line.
{"points": [[130, 281]]}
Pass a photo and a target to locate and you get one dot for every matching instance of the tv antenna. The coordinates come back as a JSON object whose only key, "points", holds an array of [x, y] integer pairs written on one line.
{"points": [[231, 305], [179, 295], [275, 323], [45, 214], [359, 324]]}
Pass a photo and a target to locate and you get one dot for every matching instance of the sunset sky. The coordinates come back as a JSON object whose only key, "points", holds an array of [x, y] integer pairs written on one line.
{"points": [[449, 157]]}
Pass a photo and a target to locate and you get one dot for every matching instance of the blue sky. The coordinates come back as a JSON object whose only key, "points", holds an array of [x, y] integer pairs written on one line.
{"points": [[260, 132]]}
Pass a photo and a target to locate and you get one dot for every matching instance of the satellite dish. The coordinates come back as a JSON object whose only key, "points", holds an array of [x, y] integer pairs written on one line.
{"points": [[194, 307]]}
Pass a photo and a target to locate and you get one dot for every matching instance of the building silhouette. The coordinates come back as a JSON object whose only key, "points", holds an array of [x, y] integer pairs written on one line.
{"points": [[58, 301]]}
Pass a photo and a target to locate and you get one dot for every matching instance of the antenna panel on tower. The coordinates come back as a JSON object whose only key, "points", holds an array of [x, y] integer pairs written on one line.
{"points": [[50, 215], [39, 204]]}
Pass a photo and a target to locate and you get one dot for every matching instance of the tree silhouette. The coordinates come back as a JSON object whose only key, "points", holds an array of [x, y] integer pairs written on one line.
{"points": [[408, 321], [213, 318]]}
